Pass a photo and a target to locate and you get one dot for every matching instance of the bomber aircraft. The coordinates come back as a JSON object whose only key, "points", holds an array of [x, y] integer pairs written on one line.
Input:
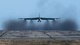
{"points": [[39, 18]]}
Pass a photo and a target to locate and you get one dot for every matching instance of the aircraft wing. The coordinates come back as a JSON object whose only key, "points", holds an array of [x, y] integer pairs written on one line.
{"points": [[29, 18], [49, 18]]}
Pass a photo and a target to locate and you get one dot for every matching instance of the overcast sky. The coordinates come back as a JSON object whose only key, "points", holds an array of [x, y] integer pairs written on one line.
{"points": [[13, 9]]}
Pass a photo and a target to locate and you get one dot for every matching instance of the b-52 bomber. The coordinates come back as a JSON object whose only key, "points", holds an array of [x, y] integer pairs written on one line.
{"points": [[39, 18]]}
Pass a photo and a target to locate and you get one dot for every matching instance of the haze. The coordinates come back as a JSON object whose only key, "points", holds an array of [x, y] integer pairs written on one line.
{"points": [[13, 9]]}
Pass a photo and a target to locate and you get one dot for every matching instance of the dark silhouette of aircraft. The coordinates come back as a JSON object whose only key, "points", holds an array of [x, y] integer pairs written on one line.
{"points": [[39, 18]]}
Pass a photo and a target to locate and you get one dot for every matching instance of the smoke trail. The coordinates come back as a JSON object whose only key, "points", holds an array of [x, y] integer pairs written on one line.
{"points": [[15, 25], [55, 25], [69, 25], [47, 25], [31, 25]]}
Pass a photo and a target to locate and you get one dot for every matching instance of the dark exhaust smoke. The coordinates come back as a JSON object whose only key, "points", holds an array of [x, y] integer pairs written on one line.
{"points": [[31, 25], [47, 25], [55, 25], [15, 25], [67, 25]]}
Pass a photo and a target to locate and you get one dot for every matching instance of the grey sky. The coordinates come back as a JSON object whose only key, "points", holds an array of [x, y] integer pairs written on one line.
{"points": [[11, 9]]}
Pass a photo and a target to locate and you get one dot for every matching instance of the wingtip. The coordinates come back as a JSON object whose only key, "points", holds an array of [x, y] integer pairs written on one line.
{"points": [[20, 18], [57, 18]]}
